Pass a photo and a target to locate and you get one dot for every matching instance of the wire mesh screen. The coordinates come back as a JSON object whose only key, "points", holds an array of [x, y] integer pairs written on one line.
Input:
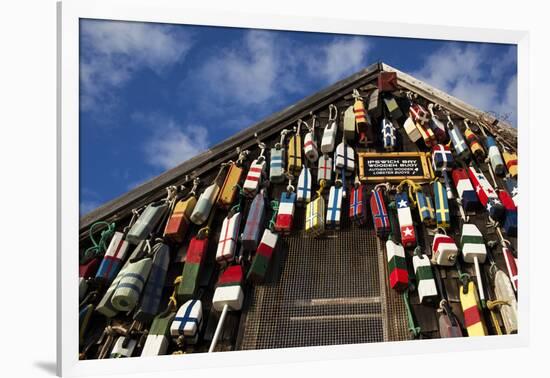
{"points": [[324, 292]]}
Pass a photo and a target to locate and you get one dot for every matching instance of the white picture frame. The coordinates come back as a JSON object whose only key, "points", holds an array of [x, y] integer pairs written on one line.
{"points": [[176, 12]]}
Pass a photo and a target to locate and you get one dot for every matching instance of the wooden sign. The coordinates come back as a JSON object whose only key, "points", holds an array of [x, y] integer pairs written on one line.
{"points": [[394, 166]]}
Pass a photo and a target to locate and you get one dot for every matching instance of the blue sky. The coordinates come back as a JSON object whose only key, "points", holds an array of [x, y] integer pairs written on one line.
{"points": [[154, 95]]}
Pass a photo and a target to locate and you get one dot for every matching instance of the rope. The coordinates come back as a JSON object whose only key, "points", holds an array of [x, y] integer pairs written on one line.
{"points": [[275, 206], [237, 208], [99, 247]]}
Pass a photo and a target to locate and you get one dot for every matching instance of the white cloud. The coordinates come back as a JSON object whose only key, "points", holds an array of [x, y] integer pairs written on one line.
{"points": [[473, 74], [115, 50], [267, 66], [172, 144], [339, 58]]}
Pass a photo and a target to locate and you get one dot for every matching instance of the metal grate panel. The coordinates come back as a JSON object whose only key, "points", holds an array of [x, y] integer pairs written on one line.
{"points": [[325, 292]]}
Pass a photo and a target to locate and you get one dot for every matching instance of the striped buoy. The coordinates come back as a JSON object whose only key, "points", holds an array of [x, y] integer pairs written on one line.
{"points": [[120, 350], [194, 260], [474, 251], [324, 170], [112, 261], [229, 233], [425, 282], [152, 294], [303, 192], [334, 208], [329, 134], [228, 296], [156, 343], [427, 135], [104, 306], [511, 186], [285, 215], [310, 145], [511, 160], [510, 224], [254, 177], [295, 151], [475, 146], [494, 156], [147, 222], [442, 213], [349, 124], [473, 319], [397, 266], [277, 160], [262, 258], [444, 250], [466, 192], [130, 287], [379, 213], [188, 321], [254, 223], [362, 121], [408, 236], [204, 204], [179, 220]]}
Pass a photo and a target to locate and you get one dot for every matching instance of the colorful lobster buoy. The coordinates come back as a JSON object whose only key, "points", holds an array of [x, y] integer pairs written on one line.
{"points": [[254, 223], [112, 261], [437, 127], [510, 224], [194, 260], [277, 160], [466, 192], [324, 170], [379, 212], [362, 121], [457, 140], [349, 124], [511, 186], [228, 296], [473, 141], [442, 213], [412, 131], [180, 219], [230, 187], [255, 174], [156, 343], [473, 319], [425, 282], [315, 214], [147, 222], [152, 293], [444, 250], [494, 156], [120, 350], [303, 195], [358, 203], [295, 151], [229, 233], [408, 236], [329, 134], [425, 208], [345, 158], [392, 107], [130, 287], [310, 145], [388, 135], [511, 160], [474, 252], [188, 321], [206, 201], [285, 215], [334, 208], [262, 258], [486, 194], [506, 298], [397, 266]]}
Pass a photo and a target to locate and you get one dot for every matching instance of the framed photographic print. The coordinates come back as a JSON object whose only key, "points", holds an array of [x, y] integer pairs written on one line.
{"points": [[266, 188]]}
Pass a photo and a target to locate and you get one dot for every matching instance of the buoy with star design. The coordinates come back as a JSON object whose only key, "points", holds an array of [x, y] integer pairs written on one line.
{"points": [[408, 236]]}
